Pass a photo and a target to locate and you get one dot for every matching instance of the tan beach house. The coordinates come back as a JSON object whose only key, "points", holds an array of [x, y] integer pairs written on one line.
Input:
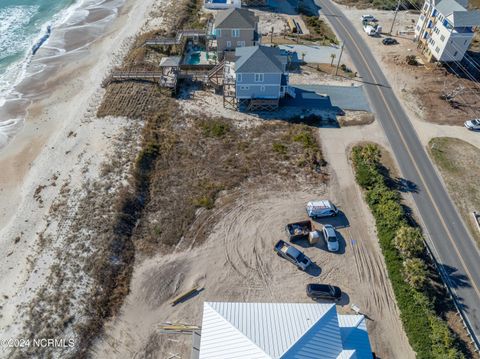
{"points": [[235, 28]]}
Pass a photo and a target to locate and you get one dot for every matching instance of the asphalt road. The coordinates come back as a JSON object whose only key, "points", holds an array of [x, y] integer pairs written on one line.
{"points": [[451, 243]]}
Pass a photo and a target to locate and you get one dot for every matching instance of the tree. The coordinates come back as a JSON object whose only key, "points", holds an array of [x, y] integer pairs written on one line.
{"points": [[371, 154], [409, 242], [333, 58], [415, 272]]}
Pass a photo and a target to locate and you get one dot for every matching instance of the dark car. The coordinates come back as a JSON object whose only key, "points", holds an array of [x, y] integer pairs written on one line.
{"points": [[323, 291], [389, 41]]}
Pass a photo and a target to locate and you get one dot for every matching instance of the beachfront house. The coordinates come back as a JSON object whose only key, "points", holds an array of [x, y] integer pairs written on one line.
{"points": [[445, 29], [222, 4], [258, 76], [281, 331], [235, 28]]}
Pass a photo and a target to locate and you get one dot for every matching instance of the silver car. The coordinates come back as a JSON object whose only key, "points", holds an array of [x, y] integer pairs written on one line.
{"points": [[473, 125], [331, 238]]}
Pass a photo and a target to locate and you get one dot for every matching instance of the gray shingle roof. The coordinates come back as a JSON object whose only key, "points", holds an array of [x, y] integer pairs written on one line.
{"points": [[457, 14], [259, 59], [235, 19]]}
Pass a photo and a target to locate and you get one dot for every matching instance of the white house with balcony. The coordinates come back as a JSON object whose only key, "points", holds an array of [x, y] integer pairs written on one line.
{"points": [[445, 29]]}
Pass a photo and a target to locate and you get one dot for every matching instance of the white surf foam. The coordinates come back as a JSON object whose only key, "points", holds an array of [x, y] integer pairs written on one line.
{"points": [[68, 19], [8, 129]]}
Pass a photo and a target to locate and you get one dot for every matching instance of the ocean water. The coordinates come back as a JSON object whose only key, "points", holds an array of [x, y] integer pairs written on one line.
{"points": [[23, 24]]}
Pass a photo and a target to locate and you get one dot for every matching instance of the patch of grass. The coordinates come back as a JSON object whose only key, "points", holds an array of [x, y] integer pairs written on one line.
{"points": [[279, 148], [204, 201], [443, 156], [319, 30], [215, 128], [305, 137], [380, 4], [421, 309], [459, 164]]}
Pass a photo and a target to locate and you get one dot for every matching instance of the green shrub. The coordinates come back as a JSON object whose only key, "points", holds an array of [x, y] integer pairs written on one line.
{"points": [[409, 242], [204, 201], [279, 148], [428, 334], [415, 272], [306, 138], [215, 128]]}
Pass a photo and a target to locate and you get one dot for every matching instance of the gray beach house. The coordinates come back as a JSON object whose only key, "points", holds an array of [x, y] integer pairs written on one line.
{"points": [[259, 73], [235, 28]]}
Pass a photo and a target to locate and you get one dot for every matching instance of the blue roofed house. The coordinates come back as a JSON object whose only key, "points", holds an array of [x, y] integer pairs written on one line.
{"points": [[281, 331], [258, 75]]}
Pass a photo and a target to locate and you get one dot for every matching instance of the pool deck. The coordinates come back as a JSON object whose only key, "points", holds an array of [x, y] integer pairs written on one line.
{"points": [[203, 60]]}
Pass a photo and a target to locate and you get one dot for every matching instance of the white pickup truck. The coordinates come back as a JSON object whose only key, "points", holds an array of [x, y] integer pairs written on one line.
{"points": [[372, 29]]}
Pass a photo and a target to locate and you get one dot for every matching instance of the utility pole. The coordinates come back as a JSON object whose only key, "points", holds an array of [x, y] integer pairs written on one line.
{"points": [[339, 58], [395, 16]]}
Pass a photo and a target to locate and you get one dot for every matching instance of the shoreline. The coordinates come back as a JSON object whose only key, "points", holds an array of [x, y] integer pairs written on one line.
{"points": [[73, 29], [61, 142]]}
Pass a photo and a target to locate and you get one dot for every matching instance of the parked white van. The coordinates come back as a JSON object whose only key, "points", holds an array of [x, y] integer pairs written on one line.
{"points": [[322, 208]]}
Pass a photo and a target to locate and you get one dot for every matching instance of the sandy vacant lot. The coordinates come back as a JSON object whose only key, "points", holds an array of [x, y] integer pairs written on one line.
{"points": [[237, 263]]}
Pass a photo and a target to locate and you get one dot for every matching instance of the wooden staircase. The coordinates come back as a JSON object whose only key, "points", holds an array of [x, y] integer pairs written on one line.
{"points": [[215, 75]]}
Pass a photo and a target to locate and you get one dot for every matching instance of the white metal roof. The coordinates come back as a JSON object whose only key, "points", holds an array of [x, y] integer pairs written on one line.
{"points": [[353, 330], [274, 331], [320, 204], [457, 14]]}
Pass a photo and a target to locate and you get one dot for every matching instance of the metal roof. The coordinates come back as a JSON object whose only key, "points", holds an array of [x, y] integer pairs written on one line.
{"points": [[457, 14], [446, 7], [353, 330], [235, 19], [275, 331], [320, 204], [260, 59]]}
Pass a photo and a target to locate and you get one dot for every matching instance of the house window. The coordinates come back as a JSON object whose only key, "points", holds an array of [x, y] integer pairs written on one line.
{"points": [[258, 77], [239, 77], [235, 32], [229, 44], [455, 54], [244, 87], [240, 43], [442, 37], [218, 33], [437, 50], [262, 88]]}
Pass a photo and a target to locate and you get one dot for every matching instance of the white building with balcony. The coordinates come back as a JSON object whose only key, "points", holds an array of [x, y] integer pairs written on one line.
{"points": [[445, 29]]}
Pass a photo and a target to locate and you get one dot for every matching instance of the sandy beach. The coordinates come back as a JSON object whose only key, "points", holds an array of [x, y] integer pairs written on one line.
{"points": [[57, 153]]}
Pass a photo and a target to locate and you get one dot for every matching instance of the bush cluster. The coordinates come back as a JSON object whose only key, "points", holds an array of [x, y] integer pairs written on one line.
{"points": [[403, 248]]}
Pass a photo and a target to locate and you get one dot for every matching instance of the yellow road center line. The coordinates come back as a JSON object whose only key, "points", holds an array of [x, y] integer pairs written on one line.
{"points": [[412, 158]]}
